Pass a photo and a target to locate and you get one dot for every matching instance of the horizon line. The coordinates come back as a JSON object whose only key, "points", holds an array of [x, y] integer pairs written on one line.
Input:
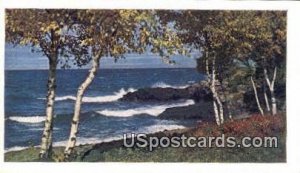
{"points": [[122, 68]]}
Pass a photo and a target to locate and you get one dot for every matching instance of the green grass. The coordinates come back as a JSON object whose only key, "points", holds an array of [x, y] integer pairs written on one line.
{"points": [[31, 155], [121, 154], [26, 155], [190, 155]]}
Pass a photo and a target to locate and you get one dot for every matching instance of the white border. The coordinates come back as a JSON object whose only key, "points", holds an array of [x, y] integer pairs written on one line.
{"points": [[2, 36], [293, 87]]}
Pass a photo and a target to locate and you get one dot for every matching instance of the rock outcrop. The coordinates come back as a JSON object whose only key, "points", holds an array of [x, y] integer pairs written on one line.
{"points": [[202, 110], [196, 92]]}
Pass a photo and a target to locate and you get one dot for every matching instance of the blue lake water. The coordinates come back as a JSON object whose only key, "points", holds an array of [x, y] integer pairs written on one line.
{"points": [[103, 117]]}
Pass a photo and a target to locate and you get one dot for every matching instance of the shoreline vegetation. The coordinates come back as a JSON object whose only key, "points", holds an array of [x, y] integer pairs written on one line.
{"points": [[114, 151]]}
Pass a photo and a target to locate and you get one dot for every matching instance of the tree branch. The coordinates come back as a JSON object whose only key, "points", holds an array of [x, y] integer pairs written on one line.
{"points": [[267, 78], [274, 77]]}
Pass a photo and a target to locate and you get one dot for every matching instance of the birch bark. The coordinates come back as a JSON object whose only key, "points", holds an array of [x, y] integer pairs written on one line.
{"points": [[46, 144], [256, 96], [266, 99], [271, 88], [218, 106], [75, 121]]}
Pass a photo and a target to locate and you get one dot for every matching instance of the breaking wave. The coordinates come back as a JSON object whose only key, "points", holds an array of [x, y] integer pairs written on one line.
{"points": [[15, 148], [154, 110], [94, 140], [100, 99], [160, 127], [165, 85], [31, 120]]}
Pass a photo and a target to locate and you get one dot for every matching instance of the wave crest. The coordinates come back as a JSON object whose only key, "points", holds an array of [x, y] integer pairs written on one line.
{"points": [[15, 148], [100, 99], [161, 127], [31, 120], [165, 85], [154, 110], [109, 98]]}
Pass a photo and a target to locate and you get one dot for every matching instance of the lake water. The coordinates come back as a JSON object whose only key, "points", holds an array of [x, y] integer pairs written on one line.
{"points": [[103, 117]]}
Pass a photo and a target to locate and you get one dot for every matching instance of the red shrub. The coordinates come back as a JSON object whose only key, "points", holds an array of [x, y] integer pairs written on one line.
{"points": [[256, 125]]}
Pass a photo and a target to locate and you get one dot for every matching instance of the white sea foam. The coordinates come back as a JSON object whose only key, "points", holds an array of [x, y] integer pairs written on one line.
{"points": [[62, 98], [109, 98], [41, 129], [154, 110], [84, 141], [94, 140], [15, 148], [160, 127], [99, 99], [31, 119], [165, 85]]}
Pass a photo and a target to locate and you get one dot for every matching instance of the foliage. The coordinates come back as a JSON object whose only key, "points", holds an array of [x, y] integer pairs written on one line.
{"points": [[116, 33], [48, 31], [244, 43]]}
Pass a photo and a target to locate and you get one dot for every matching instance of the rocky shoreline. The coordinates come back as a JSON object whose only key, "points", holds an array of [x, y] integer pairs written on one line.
{"points": [[201, 110], [197, 92]]}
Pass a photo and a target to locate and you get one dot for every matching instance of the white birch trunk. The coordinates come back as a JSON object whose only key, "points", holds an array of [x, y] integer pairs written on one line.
{"points": [[271, 88], [75, 121], [221, 110], [207, 67], [229, 112], [217, 102], [216, 113], [274, 105], [46, 144], [256, 96], [266, 100]]}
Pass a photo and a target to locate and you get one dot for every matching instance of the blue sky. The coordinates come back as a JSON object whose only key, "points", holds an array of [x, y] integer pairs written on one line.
{"points": [[17, 58]]}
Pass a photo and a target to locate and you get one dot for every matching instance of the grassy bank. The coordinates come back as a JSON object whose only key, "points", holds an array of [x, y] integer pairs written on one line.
{"points": [[115, 151]]}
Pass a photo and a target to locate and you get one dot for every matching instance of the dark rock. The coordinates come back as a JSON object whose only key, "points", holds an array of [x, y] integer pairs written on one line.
{"points": [[199, 92], [157, 94], [196, 92], [201, 111]]}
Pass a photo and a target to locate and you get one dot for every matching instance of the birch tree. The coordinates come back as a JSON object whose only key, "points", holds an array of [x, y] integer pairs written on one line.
{"points": [[273, 55], [115, 33], [264, 37], [226, 36], [191, 25], [210, 32], [46, 31]]}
